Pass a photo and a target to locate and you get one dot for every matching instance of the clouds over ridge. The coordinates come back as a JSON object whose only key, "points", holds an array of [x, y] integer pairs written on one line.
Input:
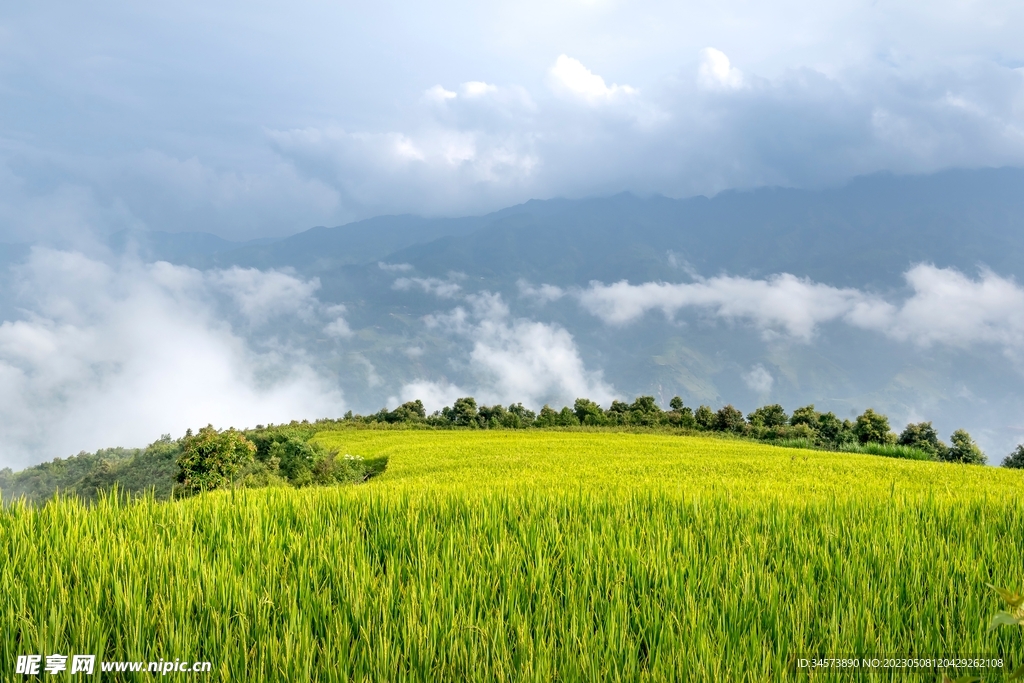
{"points": [[709, 128], [511, 359], [945, 307]]}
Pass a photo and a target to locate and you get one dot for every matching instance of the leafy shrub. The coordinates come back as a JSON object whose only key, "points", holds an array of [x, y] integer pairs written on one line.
{"points": [[964, 450], [729, 419], [211, 459], [872, 427], [768, 416], [923, 436], [1015, 460]]}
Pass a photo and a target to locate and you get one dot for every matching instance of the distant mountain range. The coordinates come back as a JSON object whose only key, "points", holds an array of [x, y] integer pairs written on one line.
{"points": [[864, 233], [398, 277]]}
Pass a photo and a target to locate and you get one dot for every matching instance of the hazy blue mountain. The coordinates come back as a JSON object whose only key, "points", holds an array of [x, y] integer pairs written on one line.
{"points": [[865, 235], [176, 247], [321, 249]]}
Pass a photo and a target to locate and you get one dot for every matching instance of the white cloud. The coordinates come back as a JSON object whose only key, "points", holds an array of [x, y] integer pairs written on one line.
{"points": [[438, 95], [514, 359], [569, 75], [781, 304], [949, 308], [945, 308], [435, 395], [715, 70], [446, 289], [758, 379], [477, 88], [542, 294], [338, 328], [261, 295], [117, 354], [394, 267]]}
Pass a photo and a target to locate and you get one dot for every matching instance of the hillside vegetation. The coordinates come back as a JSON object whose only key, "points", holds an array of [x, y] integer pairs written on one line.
{"points": [[289, 454], [514, 555]]}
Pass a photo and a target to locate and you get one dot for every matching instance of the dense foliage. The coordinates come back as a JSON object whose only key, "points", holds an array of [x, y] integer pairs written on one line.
{"points": [[806, 427]]}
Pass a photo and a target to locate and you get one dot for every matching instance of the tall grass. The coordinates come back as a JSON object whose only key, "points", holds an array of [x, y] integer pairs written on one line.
{"points": [[889, 450], [394, 580]]}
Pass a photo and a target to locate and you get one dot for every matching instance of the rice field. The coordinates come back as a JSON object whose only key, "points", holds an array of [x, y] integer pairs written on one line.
{"points": [[538, 556]]}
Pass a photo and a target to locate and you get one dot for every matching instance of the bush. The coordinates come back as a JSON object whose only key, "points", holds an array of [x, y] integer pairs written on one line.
{"points": [[924, 437], [729, 419], [1015, 460], [211, 459], [872, 427], [704, 418], [964, 450], [768, 416], [588, 412], [462, 413]]}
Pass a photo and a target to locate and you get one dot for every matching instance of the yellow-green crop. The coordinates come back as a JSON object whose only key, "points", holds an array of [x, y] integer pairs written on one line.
{"points": [[530, 556]]}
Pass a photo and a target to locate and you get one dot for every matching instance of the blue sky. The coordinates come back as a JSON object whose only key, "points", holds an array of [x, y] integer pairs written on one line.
{"points": [[255, 119]]}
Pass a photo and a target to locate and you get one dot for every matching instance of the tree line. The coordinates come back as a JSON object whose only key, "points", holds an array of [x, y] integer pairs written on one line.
{"points": [[805, 426], [284, 455]]}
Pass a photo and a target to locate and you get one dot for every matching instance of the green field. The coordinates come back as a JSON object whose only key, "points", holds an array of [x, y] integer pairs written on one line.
{"points": [[504, 555]]}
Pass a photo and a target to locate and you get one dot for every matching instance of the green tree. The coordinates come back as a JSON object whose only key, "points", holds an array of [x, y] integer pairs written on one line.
{"points": [[922, 435], [588, 412], [729, 419], [463, 413], [872, 427], [548, 417], [567, 418], [676, 403], [411, 411], [211, 459], [493, 417], [805, 416], [1015, 460], [519, 416], [833, 432], [617, 413], [768, 416], [704, 417], [963, 449], [644, 411]]}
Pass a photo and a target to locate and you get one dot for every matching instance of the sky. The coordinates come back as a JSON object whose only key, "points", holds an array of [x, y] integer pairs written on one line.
{"points": [[263, 119], [255, 119]]}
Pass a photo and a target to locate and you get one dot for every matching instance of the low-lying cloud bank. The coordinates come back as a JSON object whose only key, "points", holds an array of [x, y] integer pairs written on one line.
{"points": [[512, 359], [105, 354], [944, 306]]}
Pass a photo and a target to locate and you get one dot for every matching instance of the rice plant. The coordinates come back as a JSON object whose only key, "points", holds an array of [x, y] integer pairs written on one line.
{"points": [[559, 556]]}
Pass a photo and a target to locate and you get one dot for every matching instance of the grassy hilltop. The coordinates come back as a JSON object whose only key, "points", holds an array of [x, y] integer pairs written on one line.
{"points": [[506, 555]]}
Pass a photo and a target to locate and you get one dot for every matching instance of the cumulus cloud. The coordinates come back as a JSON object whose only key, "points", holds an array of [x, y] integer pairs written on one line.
{"points": [[446, 289], [435, 169], [542, 294], [945, 306], [711, 129], [570, 76], [511, 359], [949, 308], [438, 95], [477, 88], [758, 379], [781, 304], [261, 296], [106, 354], [394, 267], [716, 71]]}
